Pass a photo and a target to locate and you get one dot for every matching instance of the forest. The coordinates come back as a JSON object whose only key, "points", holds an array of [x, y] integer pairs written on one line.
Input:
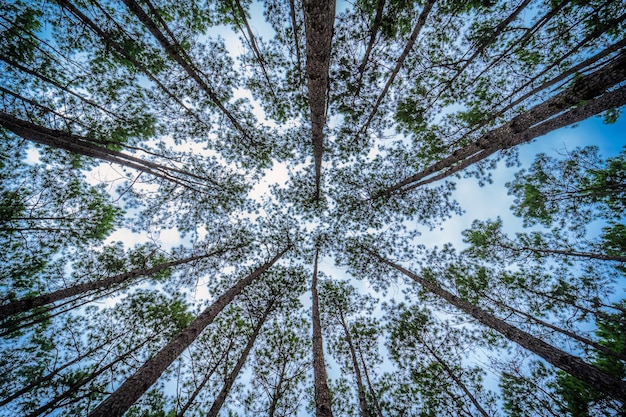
{"points": [[237, 208]]}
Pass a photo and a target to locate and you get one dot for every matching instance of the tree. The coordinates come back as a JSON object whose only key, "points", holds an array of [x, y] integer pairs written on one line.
{"points": [[169, 170]]}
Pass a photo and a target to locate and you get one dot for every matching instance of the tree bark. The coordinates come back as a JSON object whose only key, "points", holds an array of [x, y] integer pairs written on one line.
{"points": [[88, 147], [590, 90], [322, 394], [135, 386], [230, 379], [567, 333], [178, 54], [26, 304], [421, 20], [573, 365], [456, 379], [357, 369], [319, 17], [36, 382], [370, 386]]}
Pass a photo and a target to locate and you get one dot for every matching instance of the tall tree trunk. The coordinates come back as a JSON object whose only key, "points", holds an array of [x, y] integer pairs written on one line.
{"points": [[551, 326], [85, 380], [26, 304], [38, 381], [178, 54], [124, 53], [421, 21], [322, 394], [456, 380], [533, 123], [573, 365], [355, 365], [89, 147], [319, 18], [130, 391], [370, 386], [204, 381], [230, 379]]}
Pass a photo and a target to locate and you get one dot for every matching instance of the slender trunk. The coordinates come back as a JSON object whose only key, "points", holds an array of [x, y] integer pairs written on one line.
{"points": [[533, 123], [238, 9], [322, 394], [85, 380], [88, 147], [26, 304], [370, 44], [12, 326], [575, 254], [421, 20], [277, 391], [56, 84], [127, 56], [135, 386], [573, 365], [496, 32], [202, 384], [613, 99], [379, 410], [294, 24], [230, 379], [457, 380], [573, 335], [49, 376], [355, 365], [178, 54], [319, 17]]}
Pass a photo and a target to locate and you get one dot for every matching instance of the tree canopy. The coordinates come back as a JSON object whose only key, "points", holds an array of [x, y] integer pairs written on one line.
{"points": [[299, 151]]}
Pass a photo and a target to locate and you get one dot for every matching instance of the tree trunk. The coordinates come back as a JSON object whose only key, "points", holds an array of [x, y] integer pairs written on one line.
{"points": [[36, 382], [319, 18], [421, 20], [26, 304], [370, 386], [322, 393], [534, 122], [573, 365], [230, 379], [457, 380], [124, 53], [357, 369], [178, 54], [89, 147], [199, 388], [574, 336], [130, 391]]}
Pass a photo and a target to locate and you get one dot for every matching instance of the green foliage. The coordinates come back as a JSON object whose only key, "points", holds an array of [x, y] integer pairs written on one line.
{"points": [[581, 398]]}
